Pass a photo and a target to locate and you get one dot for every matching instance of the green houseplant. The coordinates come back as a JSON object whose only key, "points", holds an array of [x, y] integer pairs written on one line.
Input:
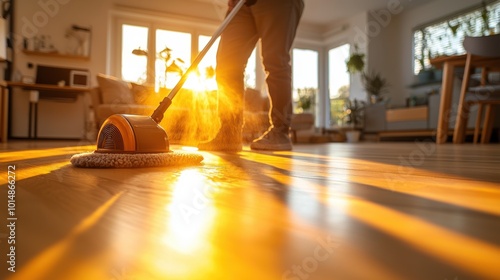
{"points": [[306, 99], [356, 62], [375, 85], [353, 112], [353, 115]]}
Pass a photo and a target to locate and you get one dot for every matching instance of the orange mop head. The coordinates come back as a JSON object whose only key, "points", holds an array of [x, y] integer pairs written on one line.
{"points": [[126, 141]]}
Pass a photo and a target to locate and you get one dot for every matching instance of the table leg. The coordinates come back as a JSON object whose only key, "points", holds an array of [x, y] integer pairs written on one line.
{"points": [[30, 120], [34, 97], [35, 128], [3, 114], [445, 106]]}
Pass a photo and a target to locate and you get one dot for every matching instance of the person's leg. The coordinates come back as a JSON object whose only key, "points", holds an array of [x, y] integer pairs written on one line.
{"points": [[277, 22], [235, 47]]}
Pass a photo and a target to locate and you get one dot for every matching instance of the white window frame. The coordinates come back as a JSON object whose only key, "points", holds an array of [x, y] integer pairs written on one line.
{"points": [[153, 21], [320, 105]]}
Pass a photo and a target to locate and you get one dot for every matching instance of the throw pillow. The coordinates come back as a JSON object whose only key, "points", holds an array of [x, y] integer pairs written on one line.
{"points": [[143, 94], [114, 90]]}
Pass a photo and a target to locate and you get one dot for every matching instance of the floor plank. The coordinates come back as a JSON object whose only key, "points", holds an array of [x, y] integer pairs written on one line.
{"points": [[407, 210]]}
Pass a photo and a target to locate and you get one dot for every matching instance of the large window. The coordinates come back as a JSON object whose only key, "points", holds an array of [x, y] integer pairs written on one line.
{"points": [[251, 71], [173, 53], [207, 65], [339, 82], [445, 36], [305, 80], [134, 65], [160, 57]]}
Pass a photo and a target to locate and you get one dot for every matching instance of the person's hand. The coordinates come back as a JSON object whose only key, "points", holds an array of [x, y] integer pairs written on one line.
{"points": [[232, 3]]}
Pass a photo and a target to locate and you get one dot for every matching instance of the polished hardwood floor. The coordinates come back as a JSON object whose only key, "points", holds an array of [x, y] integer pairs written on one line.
{"points": [[411, 210]]}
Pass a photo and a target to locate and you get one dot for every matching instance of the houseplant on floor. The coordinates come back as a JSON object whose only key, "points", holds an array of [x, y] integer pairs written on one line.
{"points": [[375, 85], [306, 99], [353, 115]]}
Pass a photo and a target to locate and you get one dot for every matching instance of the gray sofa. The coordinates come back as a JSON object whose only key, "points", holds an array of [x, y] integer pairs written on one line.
{"points": [[378, 119]]}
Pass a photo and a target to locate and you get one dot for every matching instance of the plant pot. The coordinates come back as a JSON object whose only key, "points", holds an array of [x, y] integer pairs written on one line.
{"points": [[353, 136], [438, 74], [425, 76]]}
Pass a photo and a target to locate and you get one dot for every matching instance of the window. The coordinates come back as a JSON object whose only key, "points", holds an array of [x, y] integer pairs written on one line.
{"points": [[173, 51], [250, 71], [208, 63], [445, 36], [134, 66], [160, 56], [172, 54], [339, 82], [305, 79]]}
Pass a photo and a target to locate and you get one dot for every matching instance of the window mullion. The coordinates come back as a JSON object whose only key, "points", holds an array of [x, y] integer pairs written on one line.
{"points": [[151, 72]]}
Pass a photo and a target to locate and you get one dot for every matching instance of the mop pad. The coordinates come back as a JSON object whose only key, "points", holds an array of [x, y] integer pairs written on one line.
{"points": [[134, 160]]}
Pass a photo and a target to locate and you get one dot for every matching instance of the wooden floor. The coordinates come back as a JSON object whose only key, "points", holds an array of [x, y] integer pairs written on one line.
{"points": [[386, 211]]}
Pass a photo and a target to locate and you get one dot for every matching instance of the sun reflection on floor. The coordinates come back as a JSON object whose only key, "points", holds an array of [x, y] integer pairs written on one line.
{"points": [[253, 215], [191, 212]]}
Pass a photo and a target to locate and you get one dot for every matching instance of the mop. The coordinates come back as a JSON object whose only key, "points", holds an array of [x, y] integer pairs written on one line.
{"points": [[126, 141]]}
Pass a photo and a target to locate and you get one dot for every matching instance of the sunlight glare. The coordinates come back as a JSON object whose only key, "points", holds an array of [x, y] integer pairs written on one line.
{"points": [[189, 149], [195, 82], [191, 213]]}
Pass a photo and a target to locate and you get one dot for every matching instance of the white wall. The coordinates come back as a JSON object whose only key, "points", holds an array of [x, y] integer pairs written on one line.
{"points": [[393, 45]]}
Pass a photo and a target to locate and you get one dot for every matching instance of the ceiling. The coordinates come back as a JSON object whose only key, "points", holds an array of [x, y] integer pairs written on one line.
{"points": [[327, 11], [324, 12]]}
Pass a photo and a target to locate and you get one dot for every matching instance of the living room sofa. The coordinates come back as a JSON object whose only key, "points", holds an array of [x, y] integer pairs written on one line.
{"points": [[191, 118]]}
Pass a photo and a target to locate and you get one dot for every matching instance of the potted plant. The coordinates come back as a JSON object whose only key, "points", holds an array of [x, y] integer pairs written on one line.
{"points": [[426, 73], [356, 61], [375, 85], [306, 99], [353, 115]]}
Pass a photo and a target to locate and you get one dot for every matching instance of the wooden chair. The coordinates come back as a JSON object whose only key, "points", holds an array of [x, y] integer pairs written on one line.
{"points": [[482, 53]]}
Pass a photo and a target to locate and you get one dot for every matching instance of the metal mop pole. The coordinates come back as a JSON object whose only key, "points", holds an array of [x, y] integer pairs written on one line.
{"points": [[157, 115]]}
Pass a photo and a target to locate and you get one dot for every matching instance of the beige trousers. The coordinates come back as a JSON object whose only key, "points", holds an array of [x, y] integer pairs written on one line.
{"points": [[274, 22]]}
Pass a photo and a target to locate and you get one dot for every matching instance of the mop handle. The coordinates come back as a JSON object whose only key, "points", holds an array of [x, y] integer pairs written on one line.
{"points": [[157, 115]]}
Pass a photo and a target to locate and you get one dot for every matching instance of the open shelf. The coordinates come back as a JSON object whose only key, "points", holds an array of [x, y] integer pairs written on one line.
{"points": [[56, 54]]}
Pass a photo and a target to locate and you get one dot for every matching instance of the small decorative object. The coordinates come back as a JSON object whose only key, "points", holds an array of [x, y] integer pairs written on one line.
{"points": [[356, 61], [82, 37], [352, 136], [374, 85], [28, 79]]}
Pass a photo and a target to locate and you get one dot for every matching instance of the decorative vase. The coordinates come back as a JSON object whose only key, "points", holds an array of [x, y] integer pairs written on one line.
{"points": [[352, 136]]}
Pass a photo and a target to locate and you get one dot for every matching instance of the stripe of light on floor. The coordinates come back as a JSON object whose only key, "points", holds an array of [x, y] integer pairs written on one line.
{"points": [[45, 262], [463, 192], [474, 255]]}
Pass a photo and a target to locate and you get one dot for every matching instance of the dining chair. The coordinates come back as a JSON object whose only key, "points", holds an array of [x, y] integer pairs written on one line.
{"points": [[482, 57]]}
